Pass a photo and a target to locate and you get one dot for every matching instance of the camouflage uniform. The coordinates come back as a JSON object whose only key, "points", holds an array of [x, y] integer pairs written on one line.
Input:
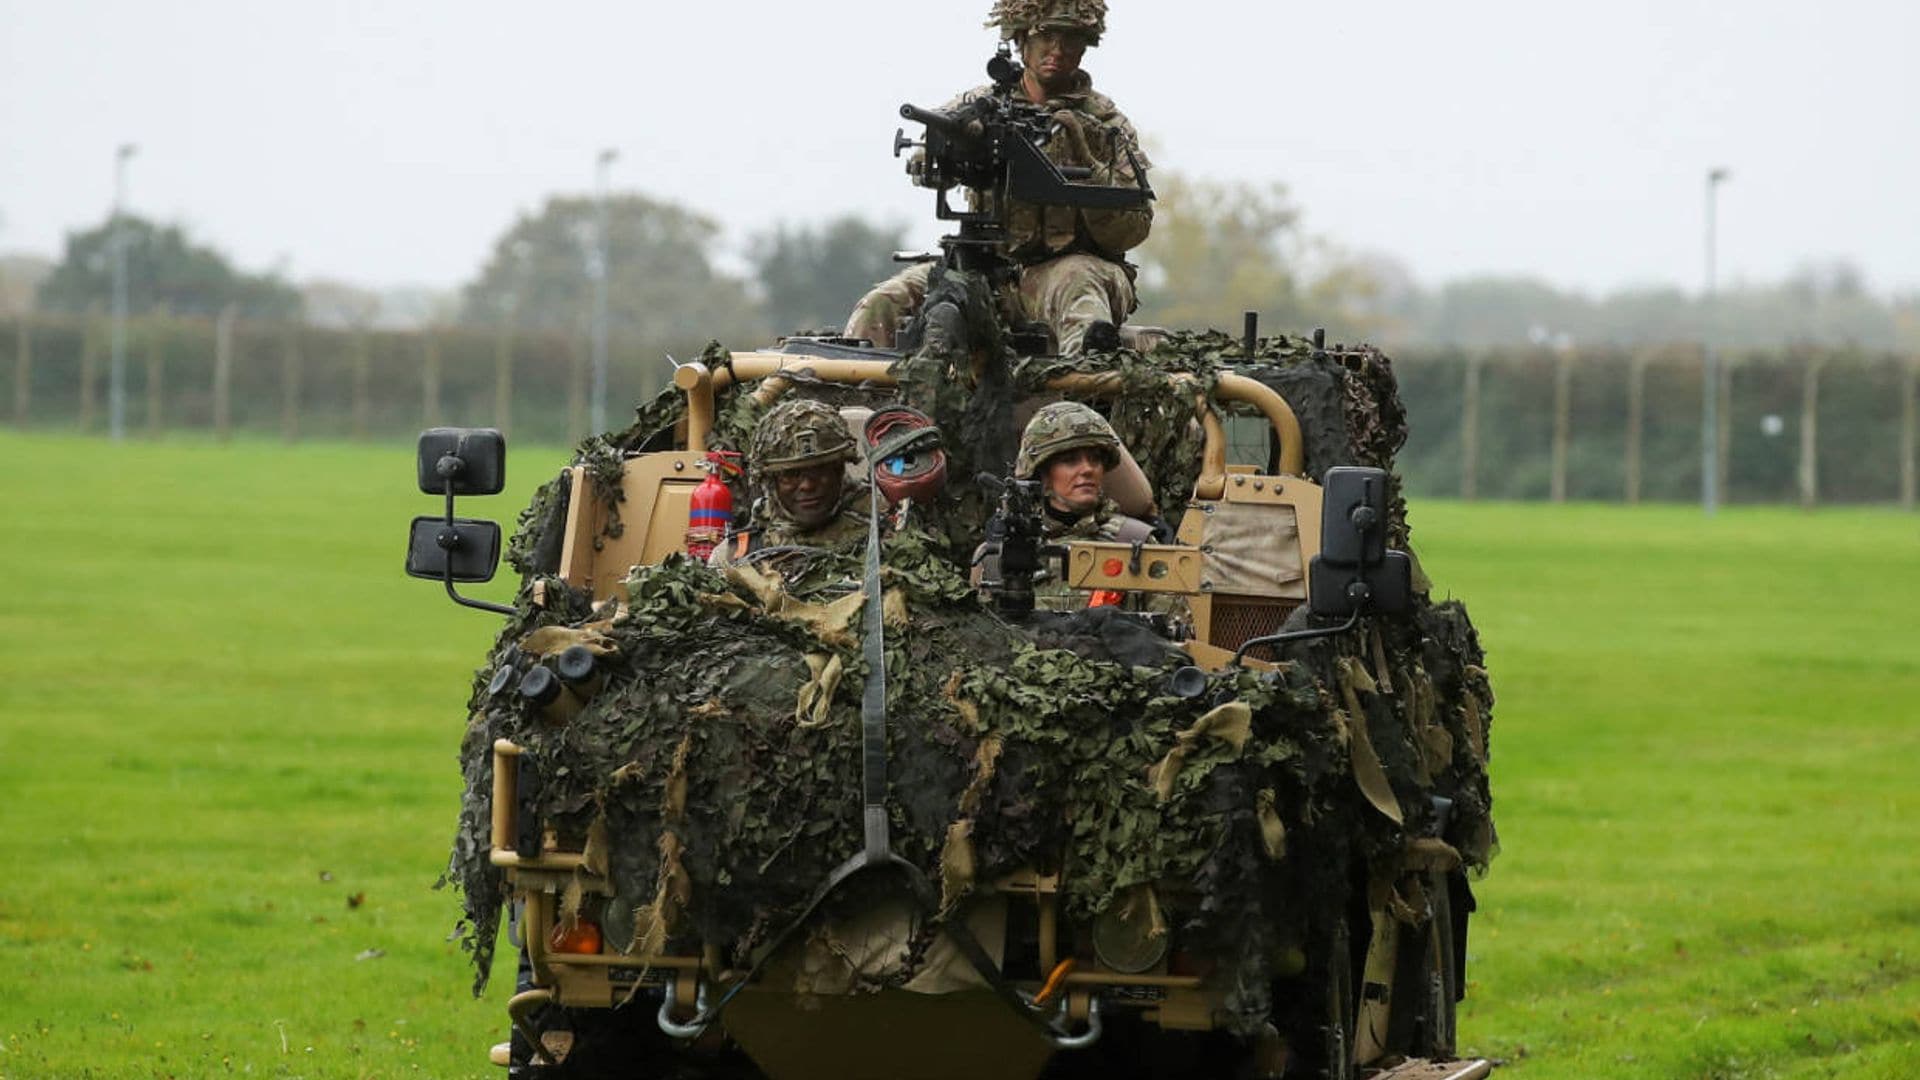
{"points": [[1055, 429], [1071, 261], [796, 434], [1104, 522]]}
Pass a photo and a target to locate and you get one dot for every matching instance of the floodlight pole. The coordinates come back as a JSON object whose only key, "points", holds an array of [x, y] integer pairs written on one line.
{"points": [[602, 253], [117, 241], [1710, 370]]}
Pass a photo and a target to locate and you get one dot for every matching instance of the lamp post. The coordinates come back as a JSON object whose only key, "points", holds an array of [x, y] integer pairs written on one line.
{"points": [[117, 241], [602, 254], [1710, 371]]}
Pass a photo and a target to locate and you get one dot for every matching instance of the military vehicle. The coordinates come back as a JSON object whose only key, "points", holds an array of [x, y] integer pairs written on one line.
{"points": [[844, 812]]}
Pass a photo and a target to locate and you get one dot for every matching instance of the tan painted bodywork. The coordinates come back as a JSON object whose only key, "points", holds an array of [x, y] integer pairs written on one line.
{"points": [[1289, 509], [659, 490], [1162, 568]]}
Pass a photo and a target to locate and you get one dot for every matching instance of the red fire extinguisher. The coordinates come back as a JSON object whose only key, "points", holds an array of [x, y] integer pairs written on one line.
{"points": [[710, 511]]}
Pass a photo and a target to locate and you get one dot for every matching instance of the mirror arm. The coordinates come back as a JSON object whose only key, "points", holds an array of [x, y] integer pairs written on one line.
{"points": [[1358, 592], [1298, 635], [450, 538]]}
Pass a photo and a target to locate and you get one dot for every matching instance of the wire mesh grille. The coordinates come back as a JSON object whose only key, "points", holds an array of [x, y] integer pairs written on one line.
{"points": [[1236, 619]]}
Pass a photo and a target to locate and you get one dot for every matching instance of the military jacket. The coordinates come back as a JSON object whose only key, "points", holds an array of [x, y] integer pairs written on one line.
{"points": [[1094, 134], [1105, 522]]}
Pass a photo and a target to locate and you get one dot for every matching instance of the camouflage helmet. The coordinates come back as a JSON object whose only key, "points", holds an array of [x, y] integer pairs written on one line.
{"points": [[1017, 18], [798, 433], [1062, 426]]}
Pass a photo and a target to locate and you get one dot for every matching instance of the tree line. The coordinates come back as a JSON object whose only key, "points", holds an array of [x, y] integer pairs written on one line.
{"points": [[1218, 249]]}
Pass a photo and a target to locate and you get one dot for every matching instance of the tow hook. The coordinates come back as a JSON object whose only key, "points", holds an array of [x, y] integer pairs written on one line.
{"points": [[695, 1027], [1062, 1041]]}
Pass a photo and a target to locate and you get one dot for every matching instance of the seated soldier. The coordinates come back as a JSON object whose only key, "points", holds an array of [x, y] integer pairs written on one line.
{"points": [[798, 474], [1068, 448], [1073, 273]]}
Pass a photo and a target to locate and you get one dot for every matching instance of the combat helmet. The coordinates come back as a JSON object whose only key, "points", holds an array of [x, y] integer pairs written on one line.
{"points": [[798, 433], [1062, 426], [1016, 18]]}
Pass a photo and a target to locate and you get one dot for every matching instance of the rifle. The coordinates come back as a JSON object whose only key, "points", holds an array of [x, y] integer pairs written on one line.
{"points": [[1015, 546]]}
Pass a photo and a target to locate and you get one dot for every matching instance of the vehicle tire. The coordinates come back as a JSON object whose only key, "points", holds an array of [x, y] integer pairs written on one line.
{"points": [[1434, 1033], [1427, 979], [623, 1044], [1135, 1049], [591, 1052], [1324, 1041]]}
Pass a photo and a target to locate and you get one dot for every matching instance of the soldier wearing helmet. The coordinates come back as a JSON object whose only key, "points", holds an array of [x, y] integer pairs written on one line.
{"points": [[1067, 449], [798, 472], [1073, 272]]}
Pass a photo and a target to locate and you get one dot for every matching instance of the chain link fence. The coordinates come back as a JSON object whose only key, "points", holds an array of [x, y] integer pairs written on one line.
{"points": [[1800, 424], [1797, 424], [228, 378]]}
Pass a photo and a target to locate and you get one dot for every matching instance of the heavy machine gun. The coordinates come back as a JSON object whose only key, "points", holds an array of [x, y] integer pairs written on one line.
{"points": [[995, 144]]}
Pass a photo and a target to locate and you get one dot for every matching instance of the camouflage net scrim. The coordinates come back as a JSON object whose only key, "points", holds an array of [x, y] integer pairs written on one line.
{"points": [[1019, 17], [711, 772]]}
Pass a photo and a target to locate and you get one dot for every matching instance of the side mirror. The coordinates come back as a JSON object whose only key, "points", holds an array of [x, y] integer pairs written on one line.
{"points": [[465, 550], [450, 462], [1355, 568], [1355, 572], [475, 459]]}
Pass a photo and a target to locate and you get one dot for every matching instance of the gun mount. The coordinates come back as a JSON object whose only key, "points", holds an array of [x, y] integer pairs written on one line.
{"points": [[994, 145]]}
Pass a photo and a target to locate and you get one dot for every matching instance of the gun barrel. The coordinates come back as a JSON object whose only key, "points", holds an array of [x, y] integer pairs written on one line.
{"points": [[950, 126]]}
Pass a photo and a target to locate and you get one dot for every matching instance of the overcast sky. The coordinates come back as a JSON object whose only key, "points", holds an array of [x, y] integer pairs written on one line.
{"points": [[390, 142]]}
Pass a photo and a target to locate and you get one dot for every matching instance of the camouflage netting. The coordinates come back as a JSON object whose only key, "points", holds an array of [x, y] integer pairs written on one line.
{"points": [[714, 776], [1015, 17]]}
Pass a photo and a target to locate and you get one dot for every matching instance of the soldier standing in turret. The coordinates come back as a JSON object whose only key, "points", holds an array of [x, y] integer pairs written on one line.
{"points": [[798, 470], [1072, 268]]}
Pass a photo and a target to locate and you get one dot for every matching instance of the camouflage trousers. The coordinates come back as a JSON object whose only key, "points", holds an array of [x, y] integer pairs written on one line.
{"points": [[1068, 294]]}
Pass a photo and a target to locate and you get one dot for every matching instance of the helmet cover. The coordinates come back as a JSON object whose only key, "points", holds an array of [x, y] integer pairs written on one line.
{"points": [[1017, 18], [799, 433], [1062, 426]]}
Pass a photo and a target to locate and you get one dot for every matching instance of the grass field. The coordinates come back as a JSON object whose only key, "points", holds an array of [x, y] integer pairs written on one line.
{"points": [[228, 725]]}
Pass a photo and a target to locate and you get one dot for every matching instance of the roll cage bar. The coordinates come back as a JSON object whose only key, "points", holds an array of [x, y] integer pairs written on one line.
{"points": [[701, 383]]}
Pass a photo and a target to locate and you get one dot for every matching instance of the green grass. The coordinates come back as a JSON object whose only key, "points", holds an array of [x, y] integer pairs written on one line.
{"points": [[1704, 778], [216, 690]]}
